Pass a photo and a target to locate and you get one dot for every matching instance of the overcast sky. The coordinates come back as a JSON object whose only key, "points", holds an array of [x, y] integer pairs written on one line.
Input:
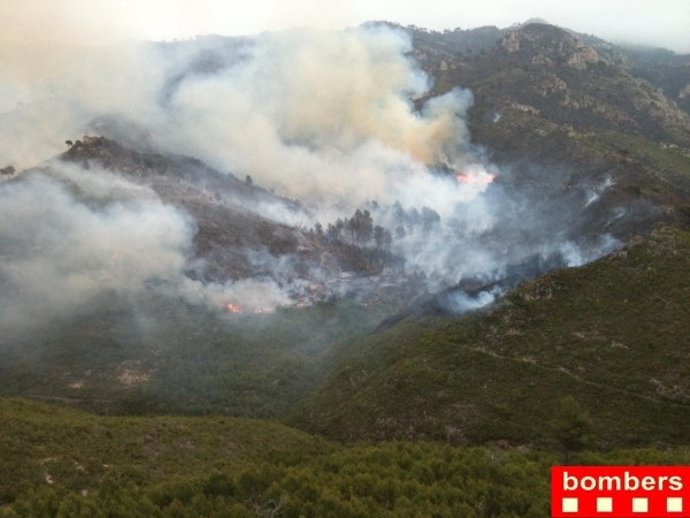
{"points": [[656, 22]]}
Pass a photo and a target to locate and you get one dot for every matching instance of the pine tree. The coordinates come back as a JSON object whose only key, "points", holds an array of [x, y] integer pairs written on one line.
{"points": [[572, 425]]}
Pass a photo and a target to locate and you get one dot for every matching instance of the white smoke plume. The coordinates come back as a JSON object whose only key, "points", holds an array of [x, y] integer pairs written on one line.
{"points": [[324, 115], [60, 252], [315, 114], [334, 119]]}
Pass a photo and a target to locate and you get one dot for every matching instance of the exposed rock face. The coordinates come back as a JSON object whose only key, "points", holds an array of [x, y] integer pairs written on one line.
{"points": [[551, 84], [544, 95], [583, 56], [538, 40], [579, 81], [511, 42]]}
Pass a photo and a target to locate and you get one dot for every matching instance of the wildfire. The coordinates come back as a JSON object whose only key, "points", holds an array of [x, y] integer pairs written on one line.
{"points": [[474, 178], [233, 308]]}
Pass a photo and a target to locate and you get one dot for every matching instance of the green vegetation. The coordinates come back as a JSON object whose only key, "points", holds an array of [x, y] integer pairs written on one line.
{"points": [[66, 463], [665, 157], [667, 167], [572, 425], [41, 444], [165, 357], [573, 364], [640, 166], [612, 334]]}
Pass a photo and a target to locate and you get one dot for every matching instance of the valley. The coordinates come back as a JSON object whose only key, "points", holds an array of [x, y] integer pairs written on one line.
{"points": [[320, 312]]}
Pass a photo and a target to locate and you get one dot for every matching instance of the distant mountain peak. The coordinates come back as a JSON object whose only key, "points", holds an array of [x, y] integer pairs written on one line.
{"points": [[534, 20], [549, 43]]}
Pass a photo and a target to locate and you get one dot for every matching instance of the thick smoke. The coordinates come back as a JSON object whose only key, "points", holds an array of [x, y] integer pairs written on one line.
{"points": [[320, 115], [334, 119], [317, 115], [72, 236]]}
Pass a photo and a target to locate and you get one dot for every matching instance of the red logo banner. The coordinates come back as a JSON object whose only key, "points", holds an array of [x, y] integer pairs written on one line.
{"points": [[620, 491]]}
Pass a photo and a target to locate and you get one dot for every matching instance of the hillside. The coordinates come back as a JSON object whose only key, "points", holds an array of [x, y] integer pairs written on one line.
{"points": [[661, 67], [57, 462], [165, 357], [612, 334], [234, 218], [470, 289], [54, 446], [569, 172], [547, 96]]}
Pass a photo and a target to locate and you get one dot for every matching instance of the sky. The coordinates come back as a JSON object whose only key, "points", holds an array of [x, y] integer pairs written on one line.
{"points": [[86, 22]]}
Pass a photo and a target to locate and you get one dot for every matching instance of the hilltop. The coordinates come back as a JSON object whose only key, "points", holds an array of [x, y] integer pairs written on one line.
{"points": [[549, 96]]}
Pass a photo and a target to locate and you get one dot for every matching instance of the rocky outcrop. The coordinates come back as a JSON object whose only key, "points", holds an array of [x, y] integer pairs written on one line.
{"points": [[549, 45]]}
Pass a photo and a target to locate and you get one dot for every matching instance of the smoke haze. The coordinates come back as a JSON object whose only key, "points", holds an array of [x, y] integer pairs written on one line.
{"points": [[60, 252], [309, 112], [328, 118], [661, 23]]}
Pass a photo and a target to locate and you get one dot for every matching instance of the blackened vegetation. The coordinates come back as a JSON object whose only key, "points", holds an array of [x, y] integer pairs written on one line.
{"points": [[217, 202], [236, 237], [371, 243]]}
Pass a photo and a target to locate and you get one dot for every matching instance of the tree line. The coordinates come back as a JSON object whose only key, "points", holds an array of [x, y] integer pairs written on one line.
{"points": [[361, 230]]}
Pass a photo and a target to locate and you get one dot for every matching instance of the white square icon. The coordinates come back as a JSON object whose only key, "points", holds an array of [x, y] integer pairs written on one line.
{"points": [[604, 504], [569, 505], [640, 505], [674, 505]]}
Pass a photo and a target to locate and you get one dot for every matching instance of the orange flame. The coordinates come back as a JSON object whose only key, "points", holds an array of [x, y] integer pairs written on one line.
{"points": [[233, 308], [236, 308], [473, 178]]}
